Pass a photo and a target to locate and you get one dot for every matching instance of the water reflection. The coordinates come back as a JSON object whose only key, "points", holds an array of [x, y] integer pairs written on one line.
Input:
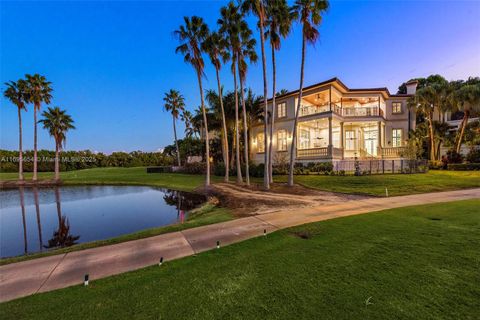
{"points": [[70, 215]]}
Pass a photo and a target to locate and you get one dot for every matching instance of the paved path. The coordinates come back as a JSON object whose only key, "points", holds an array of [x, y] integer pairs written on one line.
{"points": [[59, 271]]}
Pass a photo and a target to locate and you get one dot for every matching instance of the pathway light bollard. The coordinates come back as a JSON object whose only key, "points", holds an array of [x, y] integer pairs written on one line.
{"points": [[160, 262], [218, 244], [264, 232], [386, 192], [85, 281]]}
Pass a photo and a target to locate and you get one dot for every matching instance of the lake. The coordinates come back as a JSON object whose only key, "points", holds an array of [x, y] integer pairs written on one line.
{"points": [[40, 219]]}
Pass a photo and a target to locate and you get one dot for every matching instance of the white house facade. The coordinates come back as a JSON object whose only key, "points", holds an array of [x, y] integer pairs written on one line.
{"points": [[338, 123]]}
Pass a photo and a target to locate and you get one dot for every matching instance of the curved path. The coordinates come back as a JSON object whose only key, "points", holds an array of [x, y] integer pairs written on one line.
{"points": [[59, 271]]}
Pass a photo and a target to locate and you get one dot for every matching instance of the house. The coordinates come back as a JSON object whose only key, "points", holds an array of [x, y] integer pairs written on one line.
{"points": [[339, 123]]}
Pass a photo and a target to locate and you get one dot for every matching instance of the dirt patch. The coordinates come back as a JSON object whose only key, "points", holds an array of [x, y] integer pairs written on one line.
{"points": [[252, 200]]}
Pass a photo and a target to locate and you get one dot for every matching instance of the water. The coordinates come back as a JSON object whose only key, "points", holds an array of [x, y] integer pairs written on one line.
{"points": [[40, 219]]}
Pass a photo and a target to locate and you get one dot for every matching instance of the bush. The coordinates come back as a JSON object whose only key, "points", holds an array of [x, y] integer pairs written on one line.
{"points": [[219, 169], [322, 167], [163, 169], [194, 168], [473, 156], [464, 166], [435, 165], [454, 157]]}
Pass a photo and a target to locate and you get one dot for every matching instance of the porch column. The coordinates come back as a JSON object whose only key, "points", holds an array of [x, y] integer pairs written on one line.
{"points": [[330, 138], [342, 139], [379, 139]]}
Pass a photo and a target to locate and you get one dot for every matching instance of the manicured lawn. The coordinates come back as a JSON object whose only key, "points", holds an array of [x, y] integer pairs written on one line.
{"points": [[123, 176], [397, 184], [207, 214], [409, 263]]}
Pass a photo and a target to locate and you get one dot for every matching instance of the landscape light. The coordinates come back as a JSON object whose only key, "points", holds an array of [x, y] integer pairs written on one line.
{"points": [[85, 282], [218, 244], [161, 261]]}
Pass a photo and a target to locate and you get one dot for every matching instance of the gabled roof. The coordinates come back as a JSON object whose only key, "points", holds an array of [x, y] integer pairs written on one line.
{"points": [[382, 90]]}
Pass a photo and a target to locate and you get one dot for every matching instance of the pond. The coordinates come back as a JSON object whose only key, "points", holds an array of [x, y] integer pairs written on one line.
{"points": [[40, 219]]}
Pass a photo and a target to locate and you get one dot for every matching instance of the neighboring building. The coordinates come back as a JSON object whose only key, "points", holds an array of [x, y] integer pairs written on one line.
{"points": [[337, 123]]}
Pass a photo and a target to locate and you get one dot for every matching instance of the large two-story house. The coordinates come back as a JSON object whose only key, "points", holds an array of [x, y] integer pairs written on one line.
{"points": [[338, 123]]}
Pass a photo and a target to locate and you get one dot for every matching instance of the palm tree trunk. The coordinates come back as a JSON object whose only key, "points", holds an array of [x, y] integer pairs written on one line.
{"points": [[207, 141], [224, 126], [176, 141], [39, 223], [272, 119], [20, 147], [59, 207], [297, 112], [22, 205], [245, 129], [35, 143], [466, 114], [57, 162], [432, 137], [237, 133], [266, 180]]}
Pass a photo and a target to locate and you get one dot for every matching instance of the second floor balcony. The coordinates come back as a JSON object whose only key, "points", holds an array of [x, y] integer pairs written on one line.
{"points": [[370, 111]]}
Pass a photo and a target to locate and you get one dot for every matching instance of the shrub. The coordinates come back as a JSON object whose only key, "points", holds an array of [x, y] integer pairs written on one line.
{"points": [[454, 157], [194, 168], [163, 169], [435, 165], [464, 166], [473, 156], [219, 169]]}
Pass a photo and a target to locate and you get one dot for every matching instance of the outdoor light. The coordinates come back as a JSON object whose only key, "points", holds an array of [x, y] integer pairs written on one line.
{"points": [[161, 261], [265, 232], [85, 282], [218, 244]]}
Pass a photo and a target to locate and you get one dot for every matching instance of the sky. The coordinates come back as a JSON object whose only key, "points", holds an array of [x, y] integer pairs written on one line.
{"points": [[110, 63]]}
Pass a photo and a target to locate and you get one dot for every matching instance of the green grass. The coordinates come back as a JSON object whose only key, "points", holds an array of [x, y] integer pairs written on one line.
{"points": [[410, 263], [207, 214], [397, 184], [122, 176]]}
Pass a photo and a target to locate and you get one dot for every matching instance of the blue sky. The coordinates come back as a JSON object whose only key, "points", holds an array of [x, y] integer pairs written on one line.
{"points": [[111, 62]]}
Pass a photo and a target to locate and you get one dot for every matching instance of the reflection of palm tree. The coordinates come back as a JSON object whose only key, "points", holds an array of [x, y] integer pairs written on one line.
{"points": [[59, 208], [39, 224], [62, 237], [22, 205]]}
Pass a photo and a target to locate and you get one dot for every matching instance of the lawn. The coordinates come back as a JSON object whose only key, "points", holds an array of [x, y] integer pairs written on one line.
{"points": [[397, 184], [409, 263]]}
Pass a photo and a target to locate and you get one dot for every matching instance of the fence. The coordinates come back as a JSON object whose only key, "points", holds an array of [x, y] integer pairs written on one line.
{"points": [[381, 166]]}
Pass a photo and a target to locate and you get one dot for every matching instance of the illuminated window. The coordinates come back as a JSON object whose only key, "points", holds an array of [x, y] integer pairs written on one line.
{"points": [[397, 107], [282, 140], [397, 137], [349, 140], [282, 110], [260, 143]]}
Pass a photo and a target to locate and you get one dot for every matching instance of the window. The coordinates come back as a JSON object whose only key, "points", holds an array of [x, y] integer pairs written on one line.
{"points": [[304, 139], [349, 140], [282, 110], [282, 140], [260, 143], [396, 107], [397, 137]]}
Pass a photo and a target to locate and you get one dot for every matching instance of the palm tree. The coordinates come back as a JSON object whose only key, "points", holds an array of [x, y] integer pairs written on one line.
{"points": [[38, 91], [57, 122], [257, 7], [175, 104], [246, 52], [24, 222], [191, 36], [468, 100], [309, 14], [278, 24], [186, 117], [216, 48], [16, 92], [230, 23]]}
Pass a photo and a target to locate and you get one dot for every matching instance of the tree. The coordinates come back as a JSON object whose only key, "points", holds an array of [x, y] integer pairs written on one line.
{"points": [[16, 92], [278, 24], [175, 104], [230, 24], [57, 122], [468, 101], [257, 8], [38, 91], [245, 52], [191, 36], [216, 48], [309, 13]]}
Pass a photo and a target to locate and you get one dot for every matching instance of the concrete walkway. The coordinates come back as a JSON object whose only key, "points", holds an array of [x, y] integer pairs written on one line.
{"points": [[60, 271]]}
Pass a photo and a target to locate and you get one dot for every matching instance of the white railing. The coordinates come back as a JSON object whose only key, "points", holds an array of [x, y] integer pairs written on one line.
{"points": [[392, 152], [313, 153], [308, 110], [362, 112]]}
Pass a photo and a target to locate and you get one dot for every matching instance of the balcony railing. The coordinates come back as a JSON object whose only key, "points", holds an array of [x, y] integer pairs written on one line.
{"points": [[392, 152], [313, 153], [338, 109], [362, 112]]}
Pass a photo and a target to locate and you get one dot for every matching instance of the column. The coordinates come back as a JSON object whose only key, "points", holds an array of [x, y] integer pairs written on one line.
{"points": [[379, 139], [330, 138], [342, 139]]}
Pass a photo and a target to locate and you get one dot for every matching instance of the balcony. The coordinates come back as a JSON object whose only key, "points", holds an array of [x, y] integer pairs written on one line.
{"points": [[392, 152], [362, 112], [316, 109], [312, 153]]}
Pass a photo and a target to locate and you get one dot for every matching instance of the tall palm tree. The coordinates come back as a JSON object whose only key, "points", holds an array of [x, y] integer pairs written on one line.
{"points": [[245, 52], [38, 91], [278, 24], [16, 92], [230, 23], [258, 8], [216, 48], [186, 117], [57, 122], [309, 13], [175, 104], [191, 36], [468, 101]]}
